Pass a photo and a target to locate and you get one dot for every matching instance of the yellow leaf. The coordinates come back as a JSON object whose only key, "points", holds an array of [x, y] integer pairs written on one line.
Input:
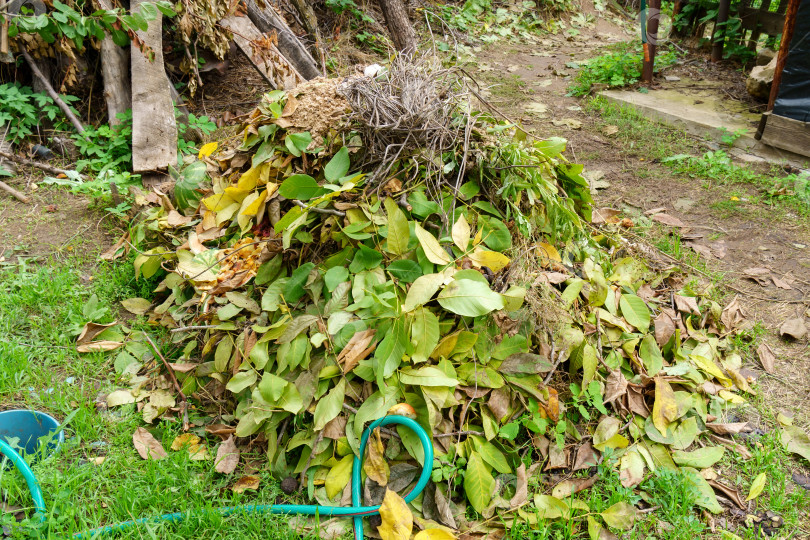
{"points": [[397, 520], [491, 259], [375, 465], [251, 204], [461, 233], [707, 365], [339, 476], [186, 439], [434, 534], [433, 249], [665, 408], [757, 486], [547, 253], [207, 150], [478, 237], [250, 179], [731, 397], [217, 202]]}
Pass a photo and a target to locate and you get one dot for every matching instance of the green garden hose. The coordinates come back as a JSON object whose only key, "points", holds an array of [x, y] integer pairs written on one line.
{"points": [[355, 511]]}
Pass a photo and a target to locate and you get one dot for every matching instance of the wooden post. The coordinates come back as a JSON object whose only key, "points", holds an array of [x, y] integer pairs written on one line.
{"points": [[154, 130], [267, 20], [399, 25], [719, 33], [115, 71], [648, 68]]}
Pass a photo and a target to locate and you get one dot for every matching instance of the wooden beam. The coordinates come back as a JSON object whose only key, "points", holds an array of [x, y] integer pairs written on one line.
{"points": [[787, 134], [265, 58], [115, 72], [154, 130], [267, 20]]}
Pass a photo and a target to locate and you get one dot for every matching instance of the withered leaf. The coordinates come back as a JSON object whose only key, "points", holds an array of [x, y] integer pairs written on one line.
{"points": [[356, 349], [664, 326], [500, 402], [666, 219], [766, 357], [245, 483], [729, 429], [227, 456], [687, 304], [616, 386], [732, 315], [793, 328], [335, 428], [147, 446], [521, 489], [375, 465], [585, 457]]}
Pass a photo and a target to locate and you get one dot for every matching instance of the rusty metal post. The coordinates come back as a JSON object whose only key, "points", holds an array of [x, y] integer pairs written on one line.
{"points": [[652, 15]]}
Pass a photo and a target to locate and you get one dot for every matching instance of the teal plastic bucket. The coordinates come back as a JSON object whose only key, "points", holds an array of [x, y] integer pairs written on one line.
{"points": [[32, 433]]}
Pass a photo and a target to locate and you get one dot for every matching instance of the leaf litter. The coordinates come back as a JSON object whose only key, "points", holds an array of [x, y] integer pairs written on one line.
{"points": [[322, 281]]}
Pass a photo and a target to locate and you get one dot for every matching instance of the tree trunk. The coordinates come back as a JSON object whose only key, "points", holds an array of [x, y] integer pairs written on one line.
{"points": [[115, 70], [154, 130], [267, 20], [310, 22], [399, 25]]}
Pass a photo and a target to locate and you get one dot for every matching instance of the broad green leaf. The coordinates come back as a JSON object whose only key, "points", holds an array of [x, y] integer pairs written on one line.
{"points": [[337, 167], [268, 271], [297, 143], [421, 291], [707, 499], [301, 187], [399, 233], [651, 355], [549, 507], [461, 233], [478, 483], [495, 234], [374, 407], [136, 306], [294, 287], [425, 334], [272, 387], [338, 476], [571, 292], [405, 270], [187, 184], [701, 458], [426, 376], [241, 380], [491, 455], [635, 312], [757, 486], [335, 276], [433, 250], [330, 405], [621, 515], [684, 435], [469, 298]]}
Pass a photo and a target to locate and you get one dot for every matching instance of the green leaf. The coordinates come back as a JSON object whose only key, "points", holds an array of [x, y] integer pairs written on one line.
{"points": [[433, 249], [478, 483], [301, 187], [700, 458], [272, 387], [148, 10], [241, 380], [271, 298], [621, 515], [268, 271], [330, 405], [635, 311], [297, 143], [425, 334], [426, 376], [757, 486], [337, 167], [707, 499], [186, 193], [339, 476], [469, 298], [571, 292], [422, 206], [495, 234], [294, 287], [399, 233], [374, 407], [549, 507], [335, 276], [651, 355], [491, 455], [421, 291], [405, 270], [795, 440]]}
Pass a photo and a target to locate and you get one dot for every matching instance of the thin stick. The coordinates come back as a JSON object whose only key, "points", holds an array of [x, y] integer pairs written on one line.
{"points": [[196, 327], [51, 92], [16, 194], [184, 403], [328, 211], [31, 163], [459, 433]]}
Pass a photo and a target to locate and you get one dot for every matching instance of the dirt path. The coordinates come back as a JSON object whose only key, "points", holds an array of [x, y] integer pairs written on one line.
{"points": [[530, 82]]}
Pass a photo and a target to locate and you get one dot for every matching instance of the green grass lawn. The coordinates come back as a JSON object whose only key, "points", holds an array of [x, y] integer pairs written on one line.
{"points": [[40, 310]]}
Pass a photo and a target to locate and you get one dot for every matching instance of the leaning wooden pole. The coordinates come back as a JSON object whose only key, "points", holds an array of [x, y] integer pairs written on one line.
{"points": [[51, 92], [267, 20], [115, 71]]}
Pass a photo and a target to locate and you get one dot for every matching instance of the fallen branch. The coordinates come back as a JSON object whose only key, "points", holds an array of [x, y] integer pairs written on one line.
{"points": [[42, 166], [19, 196], [184, 403], [51, 92]]}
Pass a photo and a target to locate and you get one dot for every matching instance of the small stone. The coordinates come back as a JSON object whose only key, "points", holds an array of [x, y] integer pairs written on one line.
{"points": [[289, 485], [672, 78]]}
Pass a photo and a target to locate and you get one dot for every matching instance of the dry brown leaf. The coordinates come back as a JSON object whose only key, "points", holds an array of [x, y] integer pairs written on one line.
{"points": [[781, 283], [571, 486], [557, 457], [666, 219], [99, 346], [766, 357], [604, 215], [687, 304], [664, 326], [732, 315], [91, 330], [356, 349], [220, 430], [731, 493], [522, 488], [610, 130], [500, 402], [616, 386], [176, 219], [375, 465], [227, 456], [147, 446], [760, 275], [729, 429], [182, 367], [335, 428], [656, 210], [636, 402], [585, 457], [245, 483], [793, 328]]}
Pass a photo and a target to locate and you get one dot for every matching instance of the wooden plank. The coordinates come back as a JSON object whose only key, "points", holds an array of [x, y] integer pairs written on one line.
{"points": [[115, 71], [787, 134], [765, 21], [268, 20], [154, 131], [262, 53]]}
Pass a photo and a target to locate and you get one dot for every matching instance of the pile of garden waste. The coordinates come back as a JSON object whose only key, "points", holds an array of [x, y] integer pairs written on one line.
{"points": [[323, 267]]}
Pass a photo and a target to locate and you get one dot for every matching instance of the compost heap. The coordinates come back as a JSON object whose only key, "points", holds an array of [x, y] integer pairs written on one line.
{"points": [[330, 264]]}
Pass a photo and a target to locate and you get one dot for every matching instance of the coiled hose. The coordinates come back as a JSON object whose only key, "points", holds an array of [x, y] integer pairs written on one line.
{"points": [[355, 511]]}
